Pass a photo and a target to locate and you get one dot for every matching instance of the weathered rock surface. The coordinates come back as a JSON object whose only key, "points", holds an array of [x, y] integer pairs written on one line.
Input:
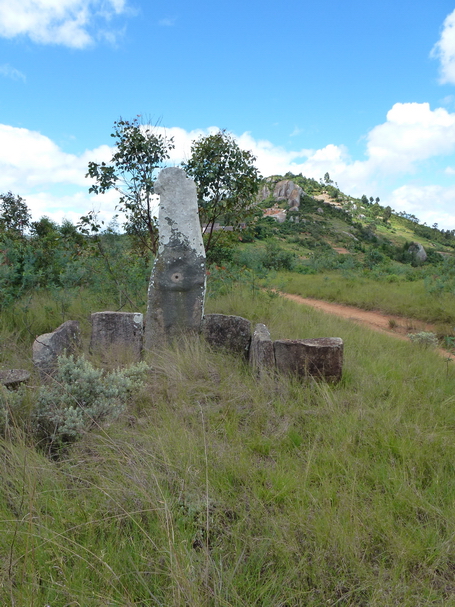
{"points": [[177, 285], [261, 355], [321, 358], [232, 333], [49, 346], [117, 336], [12, 378], [290, 191], [418, 251]]}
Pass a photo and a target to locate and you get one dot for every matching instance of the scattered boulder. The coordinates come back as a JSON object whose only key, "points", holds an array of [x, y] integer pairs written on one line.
{"points": [[12, 378], [290, 191], [418, 251], [66, 339], [321, 358], [261, 356], [230, 332], [263, 193], [117, 336]]}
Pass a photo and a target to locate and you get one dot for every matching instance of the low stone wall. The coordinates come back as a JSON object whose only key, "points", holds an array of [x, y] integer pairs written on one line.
{"points": [[117, 336], [320, 358], [117, 339], [49, 346]]}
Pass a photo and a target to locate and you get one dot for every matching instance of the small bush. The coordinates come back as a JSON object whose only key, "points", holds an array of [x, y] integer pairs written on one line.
{"points": [[424, 338], [80, 397]]}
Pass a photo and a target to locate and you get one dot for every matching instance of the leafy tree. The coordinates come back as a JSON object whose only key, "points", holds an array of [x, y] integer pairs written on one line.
{"points": [[131, 172], [227, 182], [14, 214], [364, 200], [327, 179], [387, 213]]}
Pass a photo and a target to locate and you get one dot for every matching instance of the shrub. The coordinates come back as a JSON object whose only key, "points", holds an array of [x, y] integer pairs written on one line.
{"points": [[424, 338], [79, 397]]}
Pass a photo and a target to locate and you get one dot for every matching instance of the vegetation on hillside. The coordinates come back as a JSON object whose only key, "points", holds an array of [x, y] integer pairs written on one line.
{"points": [[214, 489], [185, 480]]}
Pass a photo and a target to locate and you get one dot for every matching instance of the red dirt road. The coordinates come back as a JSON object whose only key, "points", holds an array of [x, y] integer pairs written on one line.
{"points": [[397, 326]]}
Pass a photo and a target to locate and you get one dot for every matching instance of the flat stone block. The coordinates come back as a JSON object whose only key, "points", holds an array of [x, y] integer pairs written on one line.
{"points": [[12, 378], [49, 346], [262, 356], [321, 358], [230, 332], [117, 336]]}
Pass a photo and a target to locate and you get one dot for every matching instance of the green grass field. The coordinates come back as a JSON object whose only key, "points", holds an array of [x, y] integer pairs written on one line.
{"points": [[409, 299], [215, 489]]}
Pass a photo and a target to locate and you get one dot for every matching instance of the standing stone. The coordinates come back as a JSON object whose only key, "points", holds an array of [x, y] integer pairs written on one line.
{"points": [[66, 339], [232, 333], [177, 285], [262, 356], [321, 358], [117, 336]]}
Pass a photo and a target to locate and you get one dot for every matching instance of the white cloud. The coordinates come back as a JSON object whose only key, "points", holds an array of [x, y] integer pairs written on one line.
{"points": [[167, 21], [431, 203], [444, 50], [413, 132], [29, 159], [33, 166], [72, 206], [65, 22], [11, 72]]}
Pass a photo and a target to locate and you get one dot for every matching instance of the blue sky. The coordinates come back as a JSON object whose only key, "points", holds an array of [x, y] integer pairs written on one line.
{"points": [[363, 90]]}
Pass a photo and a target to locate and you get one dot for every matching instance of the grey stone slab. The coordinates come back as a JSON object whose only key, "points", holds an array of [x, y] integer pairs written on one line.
{"points": [[261, 356], [117, 336], [232, 333], [321, 358], [177, 285], [49, 346], [12, 378]]}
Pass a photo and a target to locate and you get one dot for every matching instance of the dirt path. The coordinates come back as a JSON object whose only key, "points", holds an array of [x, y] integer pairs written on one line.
{"points": [[398, 326]]}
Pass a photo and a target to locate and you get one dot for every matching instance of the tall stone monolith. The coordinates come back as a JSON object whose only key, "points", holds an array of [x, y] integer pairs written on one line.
{"points": [[177, 285]]}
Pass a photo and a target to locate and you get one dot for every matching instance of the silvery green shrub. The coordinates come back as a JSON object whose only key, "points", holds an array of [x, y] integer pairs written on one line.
{"points": [[81, 396], [424, 338]]}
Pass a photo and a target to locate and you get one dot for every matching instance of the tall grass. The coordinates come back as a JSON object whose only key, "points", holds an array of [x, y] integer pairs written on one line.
{"points": [[219, 490], [411, 299]]}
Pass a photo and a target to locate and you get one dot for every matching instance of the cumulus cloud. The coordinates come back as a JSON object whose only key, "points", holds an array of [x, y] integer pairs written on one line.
{"points": [[72, 206], [444, 50], [412, 132], [430, 203], [33, 166], [66, 22], [31, 159], [11, 72]]}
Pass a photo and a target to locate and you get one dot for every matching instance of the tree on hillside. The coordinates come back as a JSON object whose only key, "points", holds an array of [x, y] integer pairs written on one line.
{"points": [[387, 213], [14, 214], [227, 182], [139, 152]]}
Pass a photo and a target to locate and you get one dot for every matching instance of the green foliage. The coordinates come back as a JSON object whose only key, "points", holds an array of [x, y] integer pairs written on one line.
{"points": [[227, 182], [14, 215], [79, 397], [131, 172], [424, 338], [218, 490]]}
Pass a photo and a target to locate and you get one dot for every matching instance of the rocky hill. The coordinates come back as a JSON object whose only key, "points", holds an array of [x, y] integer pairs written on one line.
{"points": [[317, 216]]}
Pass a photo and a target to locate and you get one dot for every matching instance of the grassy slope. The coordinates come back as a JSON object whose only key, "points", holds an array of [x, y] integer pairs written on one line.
{"points": [[219, 490], [410, 299]]}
